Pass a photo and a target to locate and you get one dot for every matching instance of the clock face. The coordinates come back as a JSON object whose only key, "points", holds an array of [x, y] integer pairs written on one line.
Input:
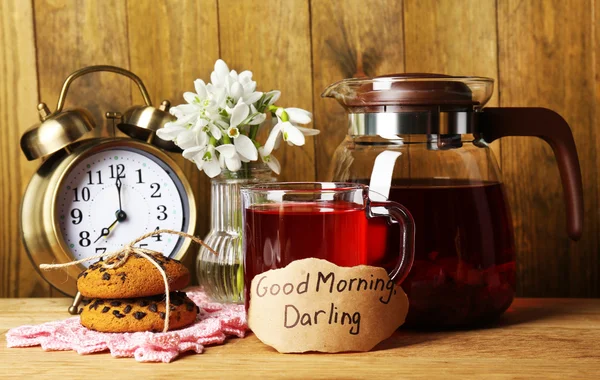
{"points": [[116, 195]]}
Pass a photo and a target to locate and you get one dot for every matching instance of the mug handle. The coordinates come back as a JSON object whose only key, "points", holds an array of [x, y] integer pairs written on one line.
{"points": [[406, 223]]}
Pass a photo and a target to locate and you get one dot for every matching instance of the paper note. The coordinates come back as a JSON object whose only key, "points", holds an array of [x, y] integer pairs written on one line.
{"points": [[314, 305]]}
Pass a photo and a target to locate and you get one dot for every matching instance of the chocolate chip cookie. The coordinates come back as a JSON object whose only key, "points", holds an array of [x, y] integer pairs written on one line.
{"points": [[138, 314], [137, 277]]}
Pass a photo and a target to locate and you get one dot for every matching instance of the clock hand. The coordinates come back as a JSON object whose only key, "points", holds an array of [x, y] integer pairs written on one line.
{"points": [[105, 232], [121, 216], [119, 184]]}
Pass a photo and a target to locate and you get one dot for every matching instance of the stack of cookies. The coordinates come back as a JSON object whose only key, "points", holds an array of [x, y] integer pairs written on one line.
{"points": [[131, 297]]}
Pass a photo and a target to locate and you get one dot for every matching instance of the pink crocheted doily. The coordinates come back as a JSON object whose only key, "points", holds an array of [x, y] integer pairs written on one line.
{"points": [[214, 323]]}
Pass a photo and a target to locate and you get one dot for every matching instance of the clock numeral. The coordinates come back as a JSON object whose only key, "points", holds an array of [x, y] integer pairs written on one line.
{"points": [[100, 250], [77, 216], [84, 240], [156, 188], [118, 171], [163, 214], [139, 172], [90, 180], [85, 194], [142, 245], [158, 237]]}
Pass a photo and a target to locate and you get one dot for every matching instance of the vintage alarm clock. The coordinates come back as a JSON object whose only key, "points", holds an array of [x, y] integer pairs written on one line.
{"points": [[92, 196]]}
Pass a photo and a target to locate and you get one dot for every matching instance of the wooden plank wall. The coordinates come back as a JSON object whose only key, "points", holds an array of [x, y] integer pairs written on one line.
{"points": [[541, 53]]}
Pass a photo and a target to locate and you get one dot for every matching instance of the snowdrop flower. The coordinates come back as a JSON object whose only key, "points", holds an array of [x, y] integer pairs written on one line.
{"points": [[191, 138], [256, 117], [299, 116], [221, 71], [236, 86], [291, 133], [201, 103], [184, 133], [271, 161], [272, 97], [243, 144], [172, 129], [295, 115], [243, 87], [229, 157], [245, 147], [194, 119], [205, 159], [217, 125]]}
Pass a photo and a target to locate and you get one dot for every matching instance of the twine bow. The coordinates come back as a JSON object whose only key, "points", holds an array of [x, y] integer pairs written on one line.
{"points": [[123, 255]]}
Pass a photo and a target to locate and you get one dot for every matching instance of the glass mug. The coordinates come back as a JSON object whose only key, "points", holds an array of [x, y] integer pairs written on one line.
{"points": [[337, 222]]}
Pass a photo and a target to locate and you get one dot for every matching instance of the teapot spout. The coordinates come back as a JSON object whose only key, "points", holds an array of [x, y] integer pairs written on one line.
{"points": [[348, 92], [335, 90]]}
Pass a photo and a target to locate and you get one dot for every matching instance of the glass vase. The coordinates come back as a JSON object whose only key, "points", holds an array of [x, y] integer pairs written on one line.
{"points": [[222, 275]]}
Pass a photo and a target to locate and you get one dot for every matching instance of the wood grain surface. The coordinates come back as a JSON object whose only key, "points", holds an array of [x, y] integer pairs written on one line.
{"points": [[441, 37], [18, 100], [91, 33], [556, 69], [272, 39], [542, 53], [179, 56], [535, 339], [349, 42]]}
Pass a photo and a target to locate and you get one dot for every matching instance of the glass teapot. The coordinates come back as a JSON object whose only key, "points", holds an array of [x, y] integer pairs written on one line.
{"points": [[422, 140]]}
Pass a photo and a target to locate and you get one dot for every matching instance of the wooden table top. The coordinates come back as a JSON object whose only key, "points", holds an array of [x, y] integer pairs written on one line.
{"points": [[536, 338]]}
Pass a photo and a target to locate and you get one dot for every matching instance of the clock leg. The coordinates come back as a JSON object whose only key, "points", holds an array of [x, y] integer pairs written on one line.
{"points": [[73, 309]]}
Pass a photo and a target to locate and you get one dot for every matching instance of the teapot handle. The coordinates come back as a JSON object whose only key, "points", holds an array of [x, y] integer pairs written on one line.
{"points": [[552, 128]]}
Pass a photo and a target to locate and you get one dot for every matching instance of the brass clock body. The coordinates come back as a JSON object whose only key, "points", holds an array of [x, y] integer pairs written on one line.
{"points": [[58, 224], [40, 222]]}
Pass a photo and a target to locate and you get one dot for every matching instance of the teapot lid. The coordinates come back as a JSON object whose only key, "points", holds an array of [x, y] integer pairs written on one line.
{"points": [[411, 91]]}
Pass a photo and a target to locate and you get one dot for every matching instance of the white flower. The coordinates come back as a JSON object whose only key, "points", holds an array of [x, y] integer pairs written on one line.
{"points": [[229, 157], [172, 129], [236, 86], [243, 144], [248, 87], [245, 147], [217, 77], [205, 158], [255, 116], [217, 124], [291, 133], [202, 103], [195, 119], [295, 115], [271, 161], [238, 114], [272, 97], [191, 137]]}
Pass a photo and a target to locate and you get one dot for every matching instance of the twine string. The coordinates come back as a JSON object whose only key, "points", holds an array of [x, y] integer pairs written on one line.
{"points": [[123, 255]]}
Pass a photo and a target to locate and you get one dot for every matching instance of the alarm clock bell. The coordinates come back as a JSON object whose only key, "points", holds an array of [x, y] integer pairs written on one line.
{"points": [[59, 129], [142, 122]]}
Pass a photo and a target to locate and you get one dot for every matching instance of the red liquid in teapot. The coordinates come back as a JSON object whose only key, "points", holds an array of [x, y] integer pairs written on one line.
{"points": [[464, 269], [279, 233]]}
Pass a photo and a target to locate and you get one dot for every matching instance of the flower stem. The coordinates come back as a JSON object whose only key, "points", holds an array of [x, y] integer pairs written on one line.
{"points": [[253, 131]]}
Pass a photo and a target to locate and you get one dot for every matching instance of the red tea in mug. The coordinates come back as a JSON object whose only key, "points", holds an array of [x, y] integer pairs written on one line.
{"points": [[338, 231], [284, 222]]}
